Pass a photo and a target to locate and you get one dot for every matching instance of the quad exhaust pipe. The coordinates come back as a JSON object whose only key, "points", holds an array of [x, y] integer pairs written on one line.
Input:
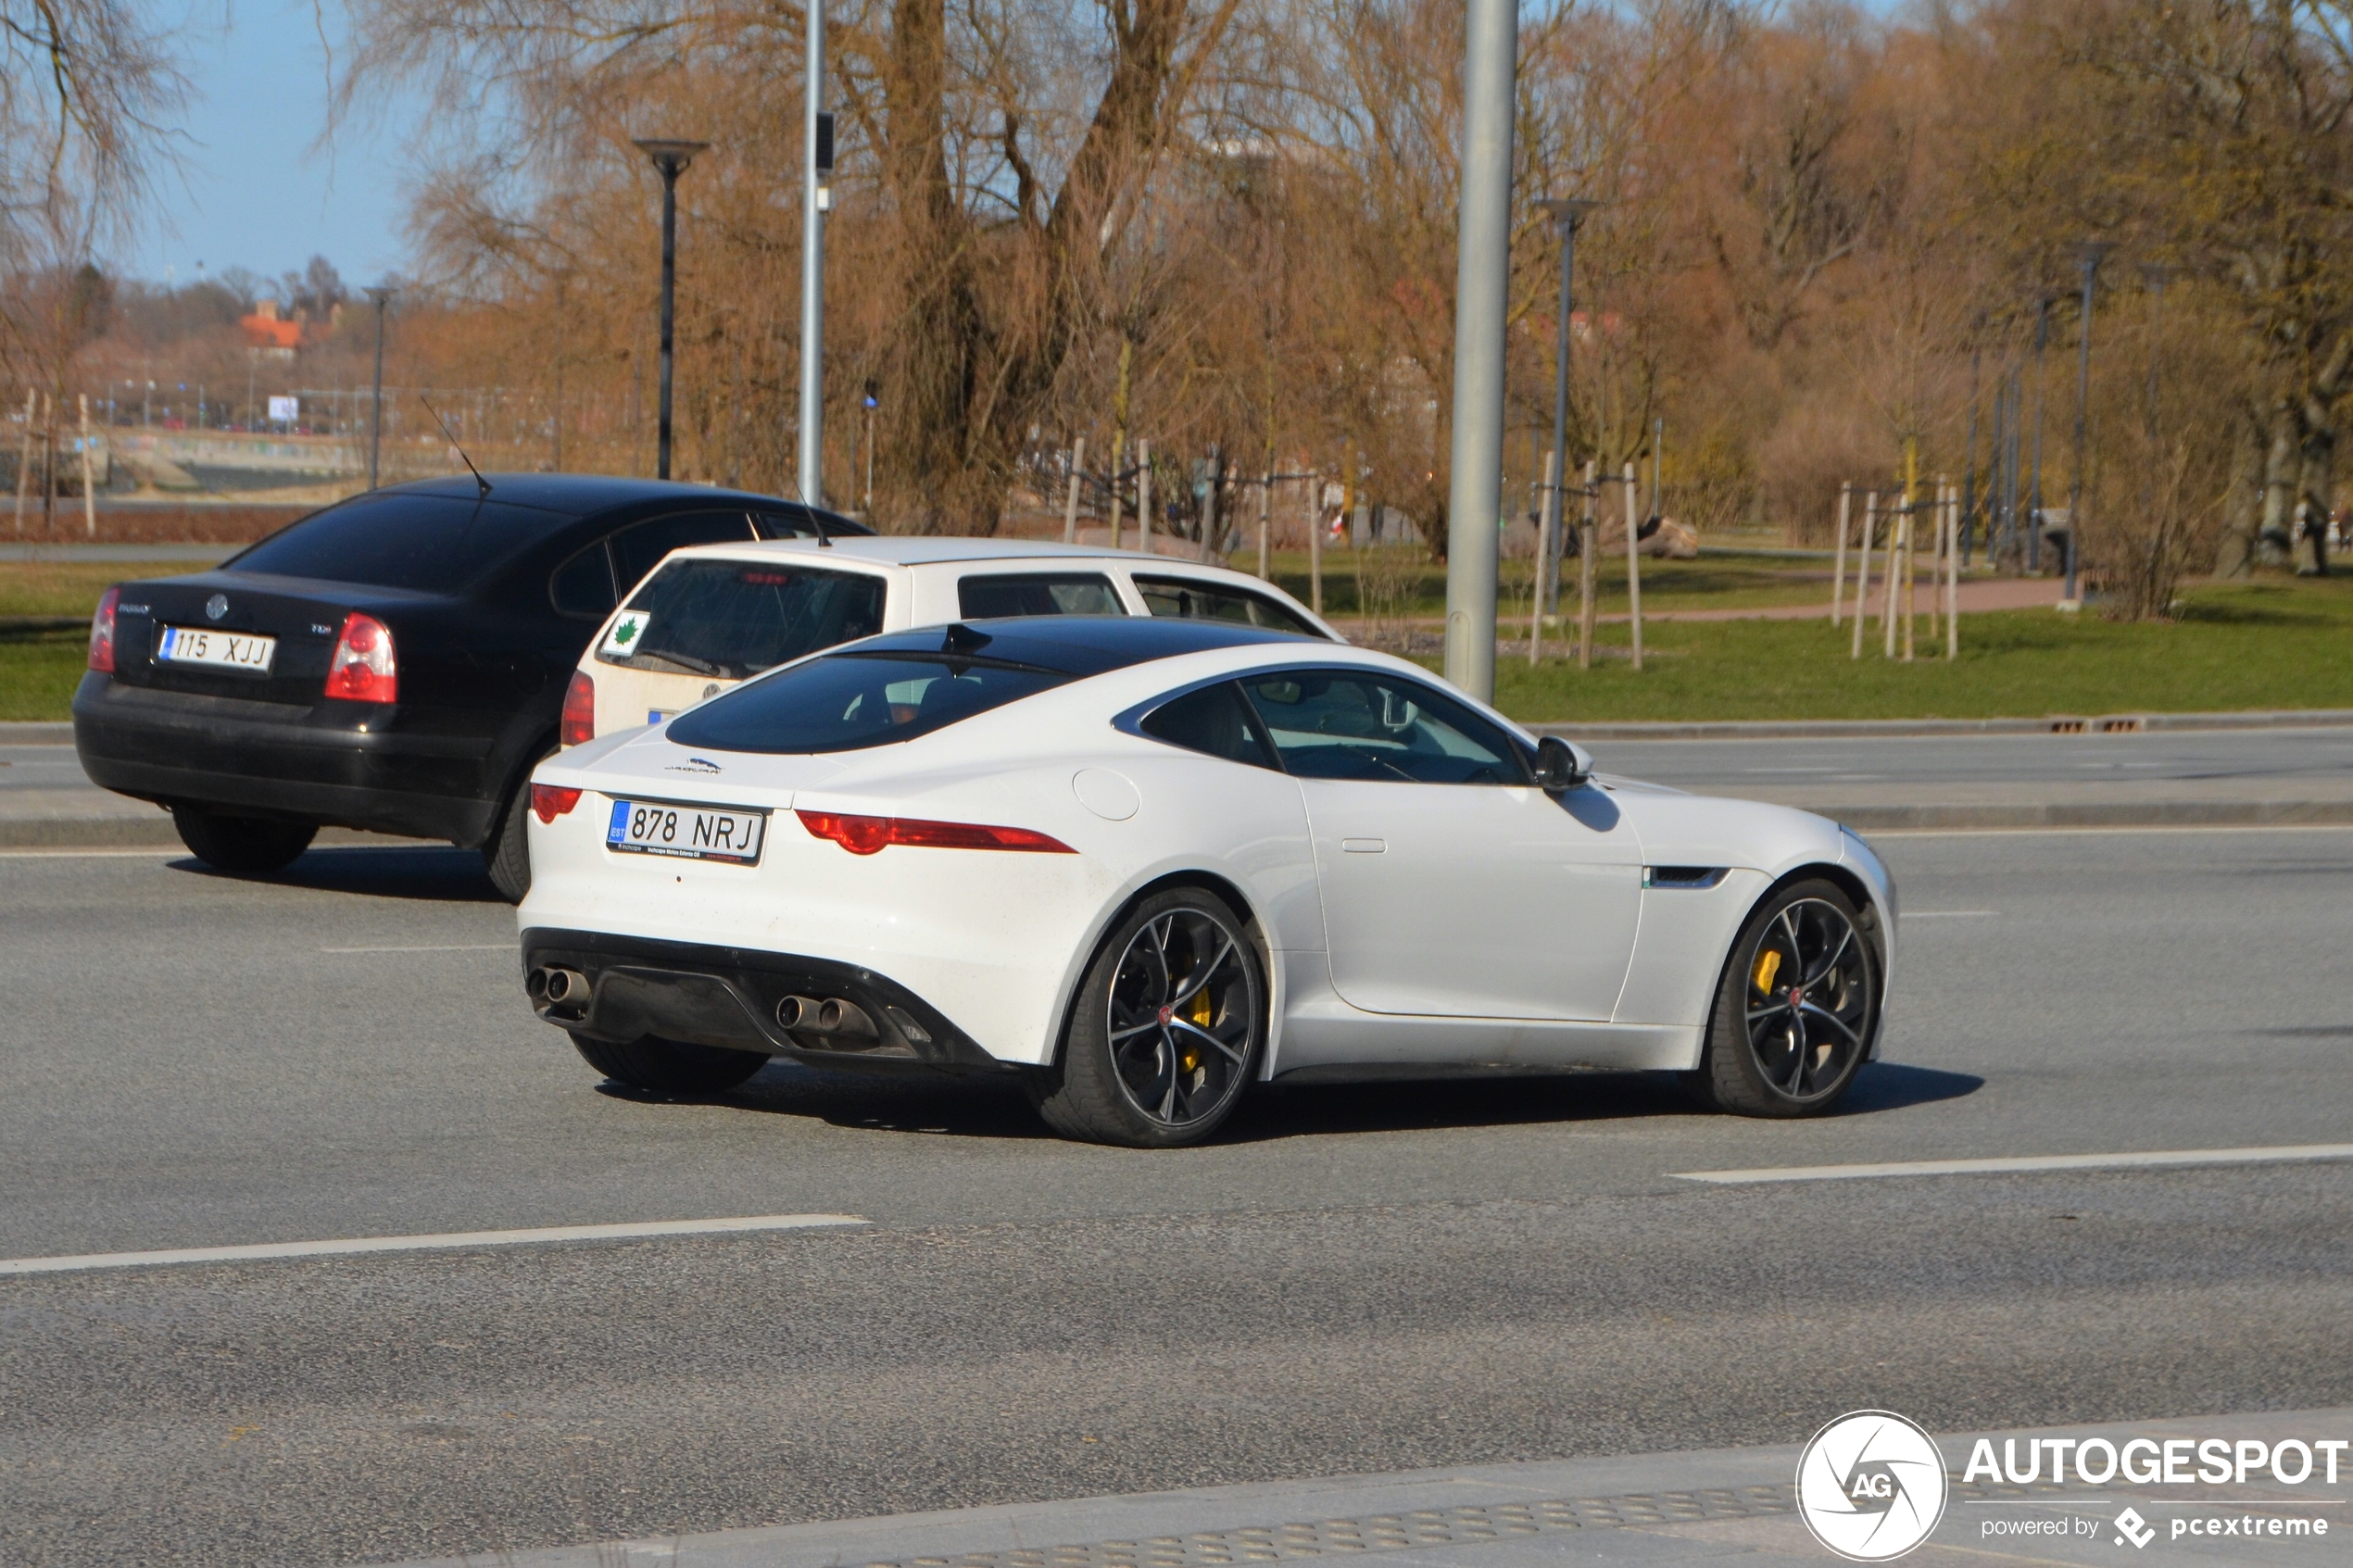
{"points": [[552, 985], [836, 1017]]}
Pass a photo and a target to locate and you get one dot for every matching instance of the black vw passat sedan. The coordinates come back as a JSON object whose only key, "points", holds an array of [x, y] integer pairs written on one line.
{"points": [[395, 662]]}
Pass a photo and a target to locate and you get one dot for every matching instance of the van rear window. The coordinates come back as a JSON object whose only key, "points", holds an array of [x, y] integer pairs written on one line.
{"points": [[848, 701], [727, 619]]}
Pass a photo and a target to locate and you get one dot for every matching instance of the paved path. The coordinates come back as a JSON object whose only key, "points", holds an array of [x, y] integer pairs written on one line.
{"points": [[1642, 1510], [1352, 1281]]}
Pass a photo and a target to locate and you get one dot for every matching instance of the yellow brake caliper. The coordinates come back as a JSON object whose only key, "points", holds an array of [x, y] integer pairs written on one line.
{"points": [[1768, 964], [1199, 1014]]}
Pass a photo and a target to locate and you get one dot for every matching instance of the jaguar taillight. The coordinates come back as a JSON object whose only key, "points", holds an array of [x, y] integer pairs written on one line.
{"points": [[362, 668], [102, 632], [550, 801], [579, 722], [869, 835]]}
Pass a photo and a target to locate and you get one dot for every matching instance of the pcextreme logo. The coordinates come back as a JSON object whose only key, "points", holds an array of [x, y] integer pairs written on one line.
{"points": [[1871, 1486]]}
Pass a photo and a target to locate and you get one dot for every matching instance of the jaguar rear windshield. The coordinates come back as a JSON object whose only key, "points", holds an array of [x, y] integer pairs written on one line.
{"points": [[433, 543], [727, 619], [848, 701]]}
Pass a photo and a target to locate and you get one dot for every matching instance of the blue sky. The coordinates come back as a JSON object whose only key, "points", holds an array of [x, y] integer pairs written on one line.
{"points": [[257, 193]]}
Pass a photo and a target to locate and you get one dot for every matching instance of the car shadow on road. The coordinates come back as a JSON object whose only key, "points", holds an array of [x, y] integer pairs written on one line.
{"points": [[439, 873], [996, 1108]]}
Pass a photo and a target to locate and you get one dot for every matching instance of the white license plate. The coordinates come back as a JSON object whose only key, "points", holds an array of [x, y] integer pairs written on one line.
{"points": [[692, 832], [223, 650]]}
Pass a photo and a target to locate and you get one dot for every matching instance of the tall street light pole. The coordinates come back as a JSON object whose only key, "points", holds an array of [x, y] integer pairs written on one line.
{"points": [[2088, 254], [1566, 213], [1482, 274], [817, 169], [671, 158], [381, 295]]}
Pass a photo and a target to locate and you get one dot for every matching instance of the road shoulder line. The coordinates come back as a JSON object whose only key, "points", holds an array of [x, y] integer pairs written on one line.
{"points": [[2026, 1163]]}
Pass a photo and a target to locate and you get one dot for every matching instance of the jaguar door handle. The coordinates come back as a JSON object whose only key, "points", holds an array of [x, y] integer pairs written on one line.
{"points": [[1363, 845]]}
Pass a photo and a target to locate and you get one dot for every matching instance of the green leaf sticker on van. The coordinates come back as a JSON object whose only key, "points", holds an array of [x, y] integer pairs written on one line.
{"points": [[626, 630]]}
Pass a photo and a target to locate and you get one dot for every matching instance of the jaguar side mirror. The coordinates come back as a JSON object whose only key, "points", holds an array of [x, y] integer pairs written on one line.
{"points": [[1561, 765]]}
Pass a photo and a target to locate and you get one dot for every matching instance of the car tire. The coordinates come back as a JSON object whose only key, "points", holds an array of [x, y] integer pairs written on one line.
{"points": [[1166, 1033], [669, 1067], [249, 845], [1780, 1049], [508, 855]]}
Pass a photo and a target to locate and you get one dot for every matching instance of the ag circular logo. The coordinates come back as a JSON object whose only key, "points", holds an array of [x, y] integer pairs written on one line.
{"points": [[216, 606], [1871, 1486]]}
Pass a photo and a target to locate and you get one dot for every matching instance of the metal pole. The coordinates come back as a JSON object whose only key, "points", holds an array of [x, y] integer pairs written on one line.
{"points": [[671, 158], [382, 296], [1566, 213], [1265, 522], [816, 196], [2089, 254], [1070, 508], [1588, 545], [2042, 386], [1491, 65], [669, 290], [1315, 542], [1633, 562], [1547, 532], [1969, 468], [1144, 497], [1838, 567]]}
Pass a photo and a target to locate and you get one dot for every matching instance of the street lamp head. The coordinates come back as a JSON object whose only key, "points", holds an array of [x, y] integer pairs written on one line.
{"points": [[670, 156], [1570, 211], [2090, 253], [380, 294]]}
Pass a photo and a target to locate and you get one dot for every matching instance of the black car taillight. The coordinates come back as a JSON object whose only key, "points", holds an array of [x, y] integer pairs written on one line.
{"points": [[579, 722], [101, 634]]}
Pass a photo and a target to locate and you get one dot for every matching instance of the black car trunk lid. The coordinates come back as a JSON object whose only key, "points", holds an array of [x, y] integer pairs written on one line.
{"points": [[219, 611]]}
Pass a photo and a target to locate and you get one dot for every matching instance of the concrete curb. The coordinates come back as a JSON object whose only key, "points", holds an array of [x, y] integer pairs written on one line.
{"points": [[2065, 724], [41, 733]]}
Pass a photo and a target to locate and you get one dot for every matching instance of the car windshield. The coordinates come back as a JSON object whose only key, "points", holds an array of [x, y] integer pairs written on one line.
{"points": [[730, 619], [434, 544], [848, 701]]}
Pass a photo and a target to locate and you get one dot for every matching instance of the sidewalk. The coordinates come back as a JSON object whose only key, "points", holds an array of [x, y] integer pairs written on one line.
{"points": [[1649, 1511]]}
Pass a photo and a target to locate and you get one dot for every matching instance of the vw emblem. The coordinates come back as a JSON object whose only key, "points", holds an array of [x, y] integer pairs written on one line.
{"points": [[216, 606]]}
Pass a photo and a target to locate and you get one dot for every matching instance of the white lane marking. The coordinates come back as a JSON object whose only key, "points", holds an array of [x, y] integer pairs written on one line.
{"points": [[157, 853], [2026, 1163], [445, 948], [273, 1249], [1788, 770], [1948, 914], [2085, 832]]}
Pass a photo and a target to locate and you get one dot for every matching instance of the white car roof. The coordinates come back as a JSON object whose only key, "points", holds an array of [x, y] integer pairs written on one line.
{"points": [[900, 549]]}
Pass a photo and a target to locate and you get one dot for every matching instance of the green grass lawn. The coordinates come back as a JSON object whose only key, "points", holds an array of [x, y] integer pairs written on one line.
{"points": [[2279, 643], [1712, 583], [38, 674]]}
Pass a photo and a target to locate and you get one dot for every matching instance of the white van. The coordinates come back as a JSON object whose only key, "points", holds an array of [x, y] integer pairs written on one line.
{"points": [[713, 615]]}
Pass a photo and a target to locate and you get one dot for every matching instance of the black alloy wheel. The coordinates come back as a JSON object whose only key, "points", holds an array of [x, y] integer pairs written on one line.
{"points": [[1796, 1009], [1167, 1030]]}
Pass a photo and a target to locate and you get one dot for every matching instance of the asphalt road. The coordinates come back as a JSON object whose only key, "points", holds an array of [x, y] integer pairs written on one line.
{"points": [[2236, 757], [1353, 1280]]}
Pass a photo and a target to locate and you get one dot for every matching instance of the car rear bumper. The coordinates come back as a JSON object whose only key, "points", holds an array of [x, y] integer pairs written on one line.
{"points": [[269, 758], [727, 996]]}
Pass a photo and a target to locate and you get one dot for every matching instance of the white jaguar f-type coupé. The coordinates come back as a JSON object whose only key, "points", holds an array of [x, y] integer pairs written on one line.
{"points": [[1145, 863]]}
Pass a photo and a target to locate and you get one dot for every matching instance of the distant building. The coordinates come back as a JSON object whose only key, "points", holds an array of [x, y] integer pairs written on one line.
{"points": [[266, 329]]}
